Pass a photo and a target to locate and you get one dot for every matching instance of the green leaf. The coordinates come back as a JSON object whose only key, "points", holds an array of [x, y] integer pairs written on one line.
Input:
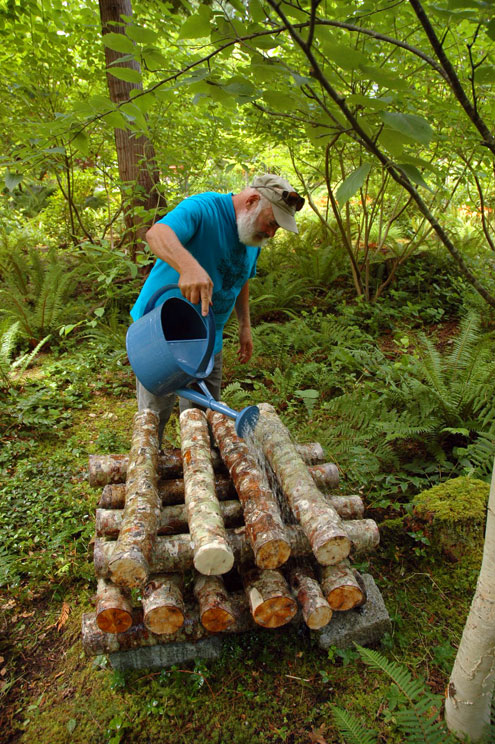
{"points": [[12, 180], [386, 78], [352, 183], [71, 725], [118, 43], [141, 35], [410, 125], [344, 56], [196, 27], [115, 120], [280, 101], [264, 42], [485, 74], [256, 11], [126, 73], [414, 175], [81, 143], [490, 29], [376, 104], [154, 59]]}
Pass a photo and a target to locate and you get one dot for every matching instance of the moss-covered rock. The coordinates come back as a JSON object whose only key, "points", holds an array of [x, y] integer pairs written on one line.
{"points": [[454, 514]]}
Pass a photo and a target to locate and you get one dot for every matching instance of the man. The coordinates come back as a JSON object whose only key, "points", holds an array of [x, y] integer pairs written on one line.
{"points": [[209, 245]]}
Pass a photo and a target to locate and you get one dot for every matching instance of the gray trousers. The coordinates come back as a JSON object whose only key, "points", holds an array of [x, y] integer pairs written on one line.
{"points": [[164, 404]]}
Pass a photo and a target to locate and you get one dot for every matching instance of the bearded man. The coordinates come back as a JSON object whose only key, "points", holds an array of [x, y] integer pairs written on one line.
{"points": [[209, 245]]}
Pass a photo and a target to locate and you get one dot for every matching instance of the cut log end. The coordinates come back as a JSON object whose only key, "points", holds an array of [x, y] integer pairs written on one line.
{"points": [[319, 617], [217, 619], [213, 559], [275, 612], [114, 620], [344, 598], [164, 620], [333, 551], [129, 570], [273, 554]]}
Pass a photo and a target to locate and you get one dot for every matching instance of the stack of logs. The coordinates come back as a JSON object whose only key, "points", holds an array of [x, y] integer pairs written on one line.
{"points": [[210, 553]]}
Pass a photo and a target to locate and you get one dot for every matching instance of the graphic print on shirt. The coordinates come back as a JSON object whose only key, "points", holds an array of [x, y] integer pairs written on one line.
{"points": [[231, 270]]}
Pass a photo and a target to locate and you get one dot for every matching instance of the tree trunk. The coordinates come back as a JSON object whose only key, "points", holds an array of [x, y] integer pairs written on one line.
{"points": [[129, 565], [470, 690], [135, 155], [264, 526], [163, 606], [316, 611], [340, 587], [170, 491], [215, 609], [212, 553], [113, 608], [173, 519], [104, 469], [269, 597], [320, 522]]}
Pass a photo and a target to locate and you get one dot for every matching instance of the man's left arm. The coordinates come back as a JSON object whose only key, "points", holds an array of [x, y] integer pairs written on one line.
{"points": [[243, 316]]}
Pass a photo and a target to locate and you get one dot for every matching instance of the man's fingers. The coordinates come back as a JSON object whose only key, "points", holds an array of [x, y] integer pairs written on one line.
{"points": [[205, 301]]}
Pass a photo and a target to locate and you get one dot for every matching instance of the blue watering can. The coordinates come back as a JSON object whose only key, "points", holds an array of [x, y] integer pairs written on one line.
{"points": [[171, 346]]}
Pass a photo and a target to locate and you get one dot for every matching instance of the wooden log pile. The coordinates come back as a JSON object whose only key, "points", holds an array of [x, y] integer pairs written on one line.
{"points": [[222, 535]]}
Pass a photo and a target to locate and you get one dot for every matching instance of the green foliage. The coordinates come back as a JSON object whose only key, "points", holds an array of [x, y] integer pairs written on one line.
{"points": [[11, 368], [456, 500]]}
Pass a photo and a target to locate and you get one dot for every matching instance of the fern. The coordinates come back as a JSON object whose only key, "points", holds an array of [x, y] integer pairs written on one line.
{"points": [[11, 368], [352, 729]]}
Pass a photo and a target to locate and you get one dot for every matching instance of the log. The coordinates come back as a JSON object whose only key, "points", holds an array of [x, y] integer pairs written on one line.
{"points": [[340, 587], [264, 526], [215, 609], [270, 600], [104, 469], [130, 560], [316, 611], [363, 534], [325, 475], [212, 553], [170, 491], [347, 507], [96, 642], [319, 520], [173, 519], [113, 608], [163, 605], [174, 553]]}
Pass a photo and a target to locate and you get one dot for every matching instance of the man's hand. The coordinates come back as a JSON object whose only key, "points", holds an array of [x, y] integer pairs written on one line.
{"points": [[196, 286], [245, 344]]}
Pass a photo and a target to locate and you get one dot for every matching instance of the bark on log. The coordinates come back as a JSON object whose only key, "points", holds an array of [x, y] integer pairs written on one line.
{"points": [[163, 605], [215, 609], [212, 553], [96, 642], [320, 522], [270, 599], [347, 507], [316, 611], [325, 475], [363, 534], [170, 491], [264, 526], [340, 587], [173, 519], [105, 469], [174, 553], [130, 560], [113, 608]]}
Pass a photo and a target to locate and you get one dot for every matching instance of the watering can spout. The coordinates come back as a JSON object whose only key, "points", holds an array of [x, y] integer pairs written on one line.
{"points": [[245, 420]]}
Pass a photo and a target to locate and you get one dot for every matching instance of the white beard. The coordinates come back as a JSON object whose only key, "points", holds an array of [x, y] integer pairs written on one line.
{"points": [[246, 228]]}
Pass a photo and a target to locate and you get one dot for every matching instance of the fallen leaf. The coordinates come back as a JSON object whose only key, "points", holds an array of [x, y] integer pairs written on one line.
{"points": [[3, 671], [1, 659], [316, 736], [64, 616]]}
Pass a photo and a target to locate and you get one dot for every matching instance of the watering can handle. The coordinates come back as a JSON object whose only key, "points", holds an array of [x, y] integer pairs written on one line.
{"points": [[209, 320]]}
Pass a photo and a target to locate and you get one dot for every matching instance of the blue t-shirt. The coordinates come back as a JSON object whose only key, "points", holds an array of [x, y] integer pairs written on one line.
{"points": [[205, 224]]}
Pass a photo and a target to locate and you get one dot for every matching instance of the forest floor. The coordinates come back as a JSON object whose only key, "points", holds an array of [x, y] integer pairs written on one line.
{"points": [[267, 686]]}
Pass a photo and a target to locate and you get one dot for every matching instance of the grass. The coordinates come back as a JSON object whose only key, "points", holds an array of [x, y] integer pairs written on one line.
{"points": [[267, 686]]}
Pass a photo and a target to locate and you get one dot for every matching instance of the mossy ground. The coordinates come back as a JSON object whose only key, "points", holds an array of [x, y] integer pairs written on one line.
{"points": [[266, 687]]}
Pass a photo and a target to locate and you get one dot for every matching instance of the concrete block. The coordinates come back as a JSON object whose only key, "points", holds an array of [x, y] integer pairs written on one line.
{"points": [[157, 657], [364, 626]]}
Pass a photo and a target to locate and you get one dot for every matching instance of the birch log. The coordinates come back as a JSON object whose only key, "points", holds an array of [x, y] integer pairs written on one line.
{"points": [[97, 642], [130, 560], [105, 469], [170, 491], [212, 553], [269, 596], [316, 611], [470, 690], [340, 587], [113, 608], [363, 534], [173, 519], [163, 605], [325, 475], [174, 553], [320, 522], [264, 526], [215, 609]]}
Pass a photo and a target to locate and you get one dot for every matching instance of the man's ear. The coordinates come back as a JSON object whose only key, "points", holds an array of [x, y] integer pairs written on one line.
{"points": [[252, 200]]}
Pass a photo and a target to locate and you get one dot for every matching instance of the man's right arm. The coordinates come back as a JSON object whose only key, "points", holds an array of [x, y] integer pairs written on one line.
{"points": [[194, 282]]}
